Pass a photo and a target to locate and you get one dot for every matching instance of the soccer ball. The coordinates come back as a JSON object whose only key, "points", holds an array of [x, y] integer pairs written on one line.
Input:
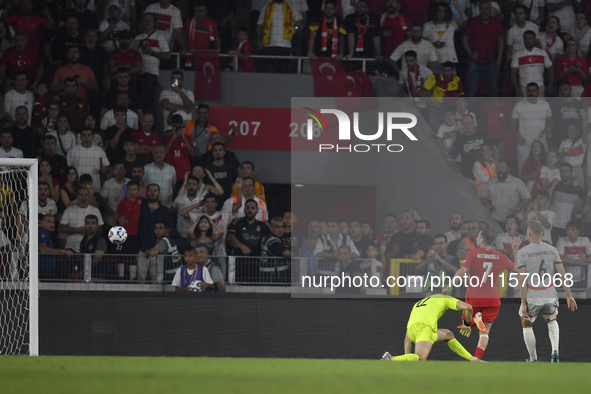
{"points": [[117, 235]]}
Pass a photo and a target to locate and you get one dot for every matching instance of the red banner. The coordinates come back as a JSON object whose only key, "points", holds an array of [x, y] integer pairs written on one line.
{"points": [[270, 128], [256, 128], [287, 129], [208, 82]]}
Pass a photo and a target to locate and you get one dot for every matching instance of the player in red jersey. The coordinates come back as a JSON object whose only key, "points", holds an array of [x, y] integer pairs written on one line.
{"points": [[484, 264]]}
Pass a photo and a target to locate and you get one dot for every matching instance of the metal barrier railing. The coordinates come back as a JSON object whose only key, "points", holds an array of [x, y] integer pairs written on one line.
{"points": [[298, 272], [299, 59]]}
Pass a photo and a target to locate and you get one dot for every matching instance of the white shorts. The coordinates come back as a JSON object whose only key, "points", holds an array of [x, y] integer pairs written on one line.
{"points": [[549, 311]]}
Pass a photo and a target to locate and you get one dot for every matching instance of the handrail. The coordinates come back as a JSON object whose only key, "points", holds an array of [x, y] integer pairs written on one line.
{"points": [[229, 264], [299, 59]]}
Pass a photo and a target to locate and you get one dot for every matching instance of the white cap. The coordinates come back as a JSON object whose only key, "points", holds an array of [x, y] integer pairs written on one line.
{"points": [[114, 2]]}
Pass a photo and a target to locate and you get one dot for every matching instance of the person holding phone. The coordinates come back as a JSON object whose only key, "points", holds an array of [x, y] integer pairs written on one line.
{"points": [[176, 100]]}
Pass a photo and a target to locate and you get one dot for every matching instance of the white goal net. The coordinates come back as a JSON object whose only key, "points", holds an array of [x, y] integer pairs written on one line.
{"points": [[19, 290]]}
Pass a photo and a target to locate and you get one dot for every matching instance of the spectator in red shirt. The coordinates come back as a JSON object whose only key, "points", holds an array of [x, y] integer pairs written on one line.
{"points": [[200, 33], [179, 149], [146, 137], [483, 41], [42, 101], [128, 216], [242, 49], [83, 75], [31, 24], [18, 59], [395, 27], [572, 68], [417, 11], [72, 106], [125, 57]]}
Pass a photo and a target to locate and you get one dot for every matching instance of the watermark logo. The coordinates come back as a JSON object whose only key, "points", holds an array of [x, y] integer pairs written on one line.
{"points": [[391, 120], [310, 124]]}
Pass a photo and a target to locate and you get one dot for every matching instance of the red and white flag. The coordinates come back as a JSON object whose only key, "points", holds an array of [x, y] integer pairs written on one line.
{"points": [[329, 77], [208, 81]]}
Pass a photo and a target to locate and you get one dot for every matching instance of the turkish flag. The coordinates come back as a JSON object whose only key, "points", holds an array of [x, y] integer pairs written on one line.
{"points": [[353, 86], [208, 82], [329, 77], [359, 85]]}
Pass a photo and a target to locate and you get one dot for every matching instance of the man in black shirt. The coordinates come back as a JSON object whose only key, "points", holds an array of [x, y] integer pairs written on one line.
{"points": [[403, 244], [93, 243], [120, 85], [467, 146], [85, 17], [276, 267], [56, 50], [25, 137], [328, 34], [361, 242], [117, 135], [244, 239], [58, 162], [452, 246], [424, 241], [94, 55], [222, 13], [223, 172], [363, 31], [131, 160], [229, 157], [292, 238]]}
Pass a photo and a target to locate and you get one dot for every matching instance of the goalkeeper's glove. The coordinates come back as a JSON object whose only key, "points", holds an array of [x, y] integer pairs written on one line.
{"points": [[465, 329]]}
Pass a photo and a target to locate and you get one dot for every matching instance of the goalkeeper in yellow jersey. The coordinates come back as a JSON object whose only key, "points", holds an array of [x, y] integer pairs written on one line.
{"points": [[422, 330]]}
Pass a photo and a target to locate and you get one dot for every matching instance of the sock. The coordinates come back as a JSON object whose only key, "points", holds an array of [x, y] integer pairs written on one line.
{"points": [[554, 333], [530, 342], [479, 352], [458, 349], [407, 357], [121, 270], [482, 344]]}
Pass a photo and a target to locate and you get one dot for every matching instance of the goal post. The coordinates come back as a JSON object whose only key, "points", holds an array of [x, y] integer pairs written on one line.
{"points": [[19, 279]]}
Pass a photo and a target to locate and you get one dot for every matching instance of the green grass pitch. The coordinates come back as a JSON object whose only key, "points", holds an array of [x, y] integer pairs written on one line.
{"points": [[109, 375]]}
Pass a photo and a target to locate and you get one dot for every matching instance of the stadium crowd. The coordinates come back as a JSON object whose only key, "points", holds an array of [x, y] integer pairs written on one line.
{"points": [[80, 82]]}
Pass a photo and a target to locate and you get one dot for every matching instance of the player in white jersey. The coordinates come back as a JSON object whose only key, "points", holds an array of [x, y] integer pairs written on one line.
{"points": [[540, 262]]}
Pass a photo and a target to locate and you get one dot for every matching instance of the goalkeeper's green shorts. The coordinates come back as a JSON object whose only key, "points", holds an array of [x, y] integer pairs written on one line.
{"points": [[420, 332]]}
